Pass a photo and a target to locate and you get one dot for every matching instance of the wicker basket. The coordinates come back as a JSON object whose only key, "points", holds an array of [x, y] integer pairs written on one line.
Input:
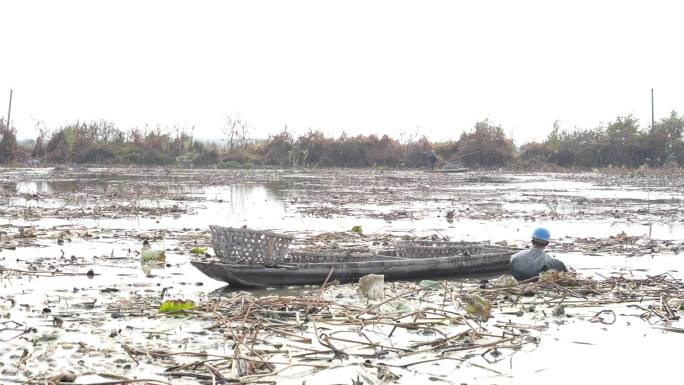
{"points": [[431, 249], [329, 256], [249, 247]]}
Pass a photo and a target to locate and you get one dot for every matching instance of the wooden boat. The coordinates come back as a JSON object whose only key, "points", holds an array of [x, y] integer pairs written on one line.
{"points": [[451, 170], [452, 166], [313, 268]]}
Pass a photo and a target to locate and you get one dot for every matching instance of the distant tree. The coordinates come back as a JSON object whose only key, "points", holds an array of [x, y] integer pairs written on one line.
{"points": [[236, 131], [554, 137], [487, 145], [671, 128], [278, 149], [623, 130], [8, 143]]}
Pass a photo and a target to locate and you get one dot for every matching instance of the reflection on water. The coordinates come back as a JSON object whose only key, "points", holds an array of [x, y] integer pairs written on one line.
{"points": [[149, 266], [509, 206], [235, 205], [98, 186]]}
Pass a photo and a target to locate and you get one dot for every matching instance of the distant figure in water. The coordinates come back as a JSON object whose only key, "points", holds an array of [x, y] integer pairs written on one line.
{"points": [[529, 263], [432, 157]]}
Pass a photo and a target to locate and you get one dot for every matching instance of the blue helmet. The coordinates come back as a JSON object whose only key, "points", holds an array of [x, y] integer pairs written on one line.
{"points": [[541, 234]]}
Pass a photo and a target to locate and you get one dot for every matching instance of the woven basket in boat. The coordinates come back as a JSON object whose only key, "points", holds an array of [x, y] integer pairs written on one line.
{"points": [[431, 249], [249, 247], [325, 256]]}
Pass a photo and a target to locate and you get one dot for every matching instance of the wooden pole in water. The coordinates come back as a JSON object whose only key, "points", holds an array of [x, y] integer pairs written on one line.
{"points": [[9, 110], [652, 113]]}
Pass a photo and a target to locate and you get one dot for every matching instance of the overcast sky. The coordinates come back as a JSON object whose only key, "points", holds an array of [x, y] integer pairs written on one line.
{"points": [[360, 66]]}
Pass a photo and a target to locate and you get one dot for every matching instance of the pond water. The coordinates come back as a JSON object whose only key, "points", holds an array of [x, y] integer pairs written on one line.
{"points": [[102, 216]]}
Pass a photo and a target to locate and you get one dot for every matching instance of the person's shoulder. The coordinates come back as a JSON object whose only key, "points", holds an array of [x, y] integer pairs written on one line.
{"points": [[543, 253], [521, 253]]}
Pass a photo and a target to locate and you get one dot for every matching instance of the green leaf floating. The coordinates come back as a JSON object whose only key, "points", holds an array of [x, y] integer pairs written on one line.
{"points": [[357, 230], [176, 306], [148, 255], [430, 285], [199, 250], [477, 306]]}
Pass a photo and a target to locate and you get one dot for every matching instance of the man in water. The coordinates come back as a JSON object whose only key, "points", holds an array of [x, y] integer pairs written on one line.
{"points": [[529, 263], [432, 158]]}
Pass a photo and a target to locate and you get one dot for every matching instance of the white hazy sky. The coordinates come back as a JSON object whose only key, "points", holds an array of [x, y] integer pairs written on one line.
{"points": [[433, 67]]}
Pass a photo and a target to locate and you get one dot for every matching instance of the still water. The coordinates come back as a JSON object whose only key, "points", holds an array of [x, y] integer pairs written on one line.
{"points": [[175, 210]]}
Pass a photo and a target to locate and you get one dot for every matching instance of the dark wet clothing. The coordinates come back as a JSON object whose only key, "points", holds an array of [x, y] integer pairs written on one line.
{"points": [[432, 157], [529, 263]]}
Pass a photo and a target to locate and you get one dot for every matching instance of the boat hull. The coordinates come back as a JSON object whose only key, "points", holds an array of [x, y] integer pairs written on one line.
{"points": [[451, 170], [316, 273]]}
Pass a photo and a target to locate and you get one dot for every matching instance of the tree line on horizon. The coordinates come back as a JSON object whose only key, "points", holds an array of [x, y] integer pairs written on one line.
{"points": [[620, 143]]}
